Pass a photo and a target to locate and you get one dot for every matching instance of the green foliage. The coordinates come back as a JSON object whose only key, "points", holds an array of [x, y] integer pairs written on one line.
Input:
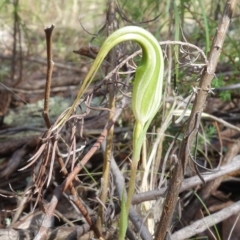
{"points": [[205, 138], [138, 10], [206, 26], [225, 96], [218, 82], [210, 132]]}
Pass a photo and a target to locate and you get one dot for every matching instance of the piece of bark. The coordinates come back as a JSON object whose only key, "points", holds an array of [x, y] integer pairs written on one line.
{"points": [[5, 97]]}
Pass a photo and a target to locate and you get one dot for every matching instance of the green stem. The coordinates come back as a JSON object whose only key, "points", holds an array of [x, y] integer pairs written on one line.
{"points": [[138, 136], [137, 145], [131, 188]]}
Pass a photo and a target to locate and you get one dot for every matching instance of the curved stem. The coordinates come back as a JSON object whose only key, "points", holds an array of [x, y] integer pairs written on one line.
{"points": [[148, 78]]}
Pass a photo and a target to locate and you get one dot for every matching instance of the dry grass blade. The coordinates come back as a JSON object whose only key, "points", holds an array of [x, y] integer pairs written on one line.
{"points": [[35, 157]]}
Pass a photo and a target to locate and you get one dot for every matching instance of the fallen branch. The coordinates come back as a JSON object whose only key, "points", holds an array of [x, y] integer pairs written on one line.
{"points": [[205, 223]]}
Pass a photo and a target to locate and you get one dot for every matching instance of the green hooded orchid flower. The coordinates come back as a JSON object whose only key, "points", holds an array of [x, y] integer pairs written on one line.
{"points": [[146, 96]]}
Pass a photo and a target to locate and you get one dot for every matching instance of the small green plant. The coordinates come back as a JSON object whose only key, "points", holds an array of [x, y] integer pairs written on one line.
{"points": [[146, 96], [226, 95], [219, 82]]}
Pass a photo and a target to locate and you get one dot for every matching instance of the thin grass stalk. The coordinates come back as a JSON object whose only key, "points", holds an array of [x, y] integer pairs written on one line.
{"points": [[176, 28], [15, 29], [209, 214], [206, 28], [111, 22]]}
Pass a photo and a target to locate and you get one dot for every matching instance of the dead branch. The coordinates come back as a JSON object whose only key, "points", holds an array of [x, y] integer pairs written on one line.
{"points": [[192, 182], [205, 223]]}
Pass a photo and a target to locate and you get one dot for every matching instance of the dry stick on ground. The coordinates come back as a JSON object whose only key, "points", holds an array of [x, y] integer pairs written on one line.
{"points": [[190, 211], [207, 222], [68, 181], [192, 182], [189, 136]]}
